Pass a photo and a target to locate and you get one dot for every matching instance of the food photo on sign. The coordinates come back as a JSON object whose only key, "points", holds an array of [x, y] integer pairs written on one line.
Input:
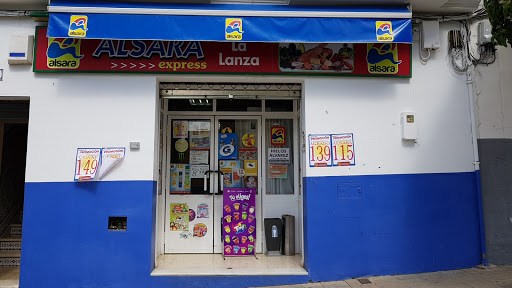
{"points": [[324, 57]]}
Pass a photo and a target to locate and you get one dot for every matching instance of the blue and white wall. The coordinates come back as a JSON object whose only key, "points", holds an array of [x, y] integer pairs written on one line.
{"points": [[414, 205], [417, 210]]}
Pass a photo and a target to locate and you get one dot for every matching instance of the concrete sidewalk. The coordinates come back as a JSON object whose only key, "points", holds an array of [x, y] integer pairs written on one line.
{"points": [[484, 277]]}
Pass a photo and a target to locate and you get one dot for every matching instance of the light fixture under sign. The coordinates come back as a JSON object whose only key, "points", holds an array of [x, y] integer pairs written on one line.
{"points": [[1, 74], [200, 102]]}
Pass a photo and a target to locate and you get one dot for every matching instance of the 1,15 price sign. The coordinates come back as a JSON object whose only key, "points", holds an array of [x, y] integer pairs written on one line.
{"points": [[320, 151], [343, 149], [87, 163]]}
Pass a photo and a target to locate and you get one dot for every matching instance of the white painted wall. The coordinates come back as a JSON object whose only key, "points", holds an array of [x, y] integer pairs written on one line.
{"points": [[493, 96], [370, 108], [68, 111]]}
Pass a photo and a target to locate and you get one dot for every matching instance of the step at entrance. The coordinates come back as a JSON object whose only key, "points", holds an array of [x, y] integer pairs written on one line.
{"points": [[10, 258], [10, 243]]}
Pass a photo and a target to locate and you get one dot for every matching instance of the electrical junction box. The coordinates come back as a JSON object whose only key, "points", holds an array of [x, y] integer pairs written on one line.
{"points": [[21, 49], [484, 32], [430, 39], [409, 130]]}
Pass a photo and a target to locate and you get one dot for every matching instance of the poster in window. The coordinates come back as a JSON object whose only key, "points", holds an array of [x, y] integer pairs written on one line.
{"points": [[180, 178], [228, 145], [278, 136], [179, 129], [231, 176], [179, 217]]}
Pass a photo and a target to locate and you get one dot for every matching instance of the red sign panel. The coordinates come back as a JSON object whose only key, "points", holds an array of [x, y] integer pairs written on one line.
{"points": [[137, 56]]}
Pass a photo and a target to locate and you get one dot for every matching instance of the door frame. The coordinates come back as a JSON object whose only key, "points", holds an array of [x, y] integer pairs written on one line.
{"points": [[264, 115]]}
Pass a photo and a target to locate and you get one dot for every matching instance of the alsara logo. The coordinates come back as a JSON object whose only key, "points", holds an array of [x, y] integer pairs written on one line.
{"points": [[382, 58], [234, 29], [384, 31], [77, 26], [63, 53]]}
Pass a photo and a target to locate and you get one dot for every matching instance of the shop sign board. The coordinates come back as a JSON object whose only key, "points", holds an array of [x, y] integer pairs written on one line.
{"points": [[172, 57], [239, 221]]}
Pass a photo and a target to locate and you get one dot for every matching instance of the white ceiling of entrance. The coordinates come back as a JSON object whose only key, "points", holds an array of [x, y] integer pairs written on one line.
{"points": [[418, 6]]}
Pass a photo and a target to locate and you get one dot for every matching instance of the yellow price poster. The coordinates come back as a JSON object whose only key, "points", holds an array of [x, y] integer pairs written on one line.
{"points": [[343, 150], [87, 163], [320, 151]]}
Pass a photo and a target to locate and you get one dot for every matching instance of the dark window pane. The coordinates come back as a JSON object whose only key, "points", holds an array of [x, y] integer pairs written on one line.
{"points": [[238, 105], [278, 105]]}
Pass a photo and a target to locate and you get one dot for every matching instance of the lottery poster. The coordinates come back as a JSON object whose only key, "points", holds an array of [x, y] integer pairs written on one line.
{"points": [[320, 151], [239, 221], [343, 150], [87, 163]]}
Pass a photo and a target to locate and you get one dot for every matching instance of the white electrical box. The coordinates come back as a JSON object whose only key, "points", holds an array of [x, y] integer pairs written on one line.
{"points": [[484, 32], [409, 130], [21, 49], [430, 39]]}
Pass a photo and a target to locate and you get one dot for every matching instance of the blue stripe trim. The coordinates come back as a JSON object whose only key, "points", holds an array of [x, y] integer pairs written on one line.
{"points": [[17, 54]]}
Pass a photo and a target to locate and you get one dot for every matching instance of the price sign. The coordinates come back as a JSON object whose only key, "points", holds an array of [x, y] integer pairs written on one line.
{"points": [[320, 151], [343, 149], [87, 163]]}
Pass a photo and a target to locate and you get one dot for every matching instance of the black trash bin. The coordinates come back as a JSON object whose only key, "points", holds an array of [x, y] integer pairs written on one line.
{"points": [[273, 236]]}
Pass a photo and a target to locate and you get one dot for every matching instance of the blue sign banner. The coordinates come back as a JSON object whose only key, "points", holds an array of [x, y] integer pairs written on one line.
{"points": [[237, 23]]}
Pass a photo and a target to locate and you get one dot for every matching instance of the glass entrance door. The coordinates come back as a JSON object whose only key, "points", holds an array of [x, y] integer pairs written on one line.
{"points": [[206, 154]]}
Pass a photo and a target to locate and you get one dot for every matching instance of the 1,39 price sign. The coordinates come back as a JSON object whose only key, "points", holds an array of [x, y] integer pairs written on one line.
{"points": [[320, 151], [87, 163], [343, 149]]}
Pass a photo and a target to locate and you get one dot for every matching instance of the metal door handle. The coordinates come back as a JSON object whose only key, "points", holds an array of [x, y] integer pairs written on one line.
{"points": [[206, 173]]}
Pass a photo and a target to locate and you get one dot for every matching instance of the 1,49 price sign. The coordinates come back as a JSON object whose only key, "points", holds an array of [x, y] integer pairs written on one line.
{"points": [[320, 151], [87, 163], [343, 149]]}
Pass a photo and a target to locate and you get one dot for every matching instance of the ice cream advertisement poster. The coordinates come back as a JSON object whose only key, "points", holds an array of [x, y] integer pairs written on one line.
{"points": [[239, 222], [179, 217]]}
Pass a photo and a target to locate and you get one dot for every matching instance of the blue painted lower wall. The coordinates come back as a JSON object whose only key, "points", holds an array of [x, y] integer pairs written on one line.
{"points": [[390, 224], [354, 226], [66, 242]]}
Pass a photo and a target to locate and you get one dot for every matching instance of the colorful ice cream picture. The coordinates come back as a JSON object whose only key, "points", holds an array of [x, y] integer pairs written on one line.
{"points": [[239, 233]]}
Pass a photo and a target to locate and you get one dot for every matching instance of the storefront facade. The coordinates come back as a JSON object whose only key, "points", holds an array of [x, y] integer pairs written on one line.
{"points": [[393, 206]]}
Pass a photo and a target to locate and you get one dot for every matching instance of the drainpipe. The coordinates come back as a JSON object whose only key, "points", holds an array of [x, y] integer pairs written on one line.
{"points": [[476, 162]]}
